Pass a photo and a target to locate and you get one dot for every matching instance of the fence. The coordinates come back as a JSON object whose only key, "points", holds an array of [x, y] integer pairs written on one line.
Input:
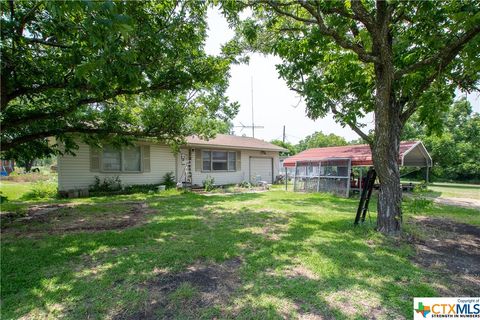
{"points": [[329, 175]]}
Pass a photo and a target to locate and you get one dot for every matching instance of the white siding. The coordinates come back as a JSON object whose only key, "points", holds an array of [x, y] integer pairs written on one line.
{"points": [[243, 174], [74, 171], [262, 168]]}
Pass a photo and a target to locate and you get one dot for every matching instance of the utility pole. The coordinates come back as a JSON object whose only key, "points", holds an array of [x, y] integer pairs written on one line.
{"points": [[253, 121], [283, 139]]}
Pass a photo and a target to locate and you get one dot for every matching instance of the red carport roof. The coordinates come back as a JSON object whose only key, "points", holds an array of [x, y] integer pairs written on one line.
{"points": [[360, 154]]}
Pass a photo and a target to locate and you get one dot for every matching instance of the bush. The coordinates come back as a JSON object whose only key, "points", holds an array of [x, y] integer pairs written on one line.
{"points": [[245, 184], [42, 190], [169, 180], [108, 184], [209, 183]]}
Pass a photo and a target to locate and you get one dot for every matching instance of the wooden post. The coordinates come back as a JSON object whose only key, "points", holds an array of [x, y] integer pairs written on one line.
{"points": [[286, 178]]}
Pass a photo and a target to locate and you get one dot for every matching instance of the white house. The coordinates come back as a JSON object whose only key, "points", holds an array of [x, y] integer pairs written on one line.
{"points": [[228, 159]]}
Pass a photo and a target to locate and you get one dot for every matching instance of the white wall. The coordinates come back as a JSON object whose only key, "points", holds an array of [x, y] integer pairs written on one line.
{"points": [[74, 171], [222, 178]]}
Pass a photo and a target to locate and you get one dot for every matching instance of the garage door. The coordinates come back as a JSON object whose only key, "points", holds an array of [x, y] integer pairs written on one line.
{"points": [[261, 168]]}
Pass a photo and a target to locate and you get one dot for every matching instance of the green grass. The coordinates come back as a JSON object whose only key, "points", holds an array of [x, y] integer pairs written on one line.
{"points": [[454, 190], [15, 190], [356, 271]]}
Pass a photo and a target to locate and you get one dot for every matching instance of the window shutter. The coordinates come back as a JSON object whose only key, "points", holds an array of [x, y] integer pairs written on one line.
{"points": [[238, 165], [94, 159], [198, 159], [146, 158]]}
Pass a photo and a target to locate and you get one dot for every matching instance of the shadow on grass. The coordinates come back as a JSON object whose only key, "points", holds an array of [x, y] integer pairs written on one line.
{"points": [[99, 275]]}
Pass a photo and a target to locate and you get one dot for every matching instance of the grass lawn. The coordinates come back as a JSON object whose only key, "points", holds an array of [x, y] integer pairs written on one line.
{"points": [[454, 190], [181, 255], [15, 190]]}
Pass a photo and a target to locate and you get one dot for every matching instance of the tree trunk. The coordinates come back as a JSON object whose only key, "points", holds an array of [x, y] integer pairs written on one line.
{"points": [[388, 128], [385, 150]]}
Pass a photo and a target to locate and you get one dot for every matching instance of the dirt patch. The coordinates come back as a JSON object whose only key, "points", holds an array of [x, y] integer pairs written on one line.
{"points": [[200, 286], [300, 271], [451, 249], [61, 218]]}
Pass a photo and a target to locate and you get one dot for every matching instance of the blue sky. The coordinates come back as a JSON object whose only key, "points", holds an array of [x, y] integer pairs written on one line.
{"points": [[274, 104]]}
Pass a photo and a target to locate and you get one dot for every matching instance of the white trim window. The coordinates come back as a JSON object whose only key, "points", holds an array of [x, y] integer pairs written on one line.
{"points": [[128, 159], [216, 160]]}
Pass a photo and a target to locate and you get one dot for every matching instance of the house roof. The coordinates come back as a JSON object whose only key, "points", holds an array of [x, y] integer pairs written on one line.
{"points": [[234, 142], [412, 153]]}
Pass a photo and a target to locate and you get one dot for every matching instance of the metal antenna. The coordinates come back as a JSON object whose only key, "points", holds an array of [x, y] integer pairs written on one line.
{"points": [[253, 121]]}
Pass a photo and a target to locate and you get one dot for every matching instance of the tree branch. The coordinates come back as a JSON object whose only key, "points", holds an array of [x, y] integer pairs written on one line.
{"points": [[443, 56], [46, 43], [357, 130], [276, 7], [340, 40], [7, 145], [443, 59], [32, 117]]}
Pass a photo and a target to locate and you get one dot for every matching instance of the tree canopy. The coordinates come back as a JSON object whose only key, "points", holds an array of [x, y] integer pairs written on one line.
{"points": [[112, 70], [350, 58], [454, 146]]}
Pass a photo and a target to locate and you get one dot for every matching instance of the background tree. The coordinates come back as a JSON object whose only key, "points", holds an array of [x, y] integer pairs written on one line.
{"points": [[292, 149], [350, 58], [320, 140], [453, 146], [106, 70]]}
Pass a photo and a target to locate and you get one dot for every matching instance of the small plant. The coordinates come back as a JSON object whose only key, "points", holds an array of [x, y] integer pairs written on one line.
{"points": [[209, 183], [42, 190], [169, 180], [245, 184], [108, 184], [420, 188]]}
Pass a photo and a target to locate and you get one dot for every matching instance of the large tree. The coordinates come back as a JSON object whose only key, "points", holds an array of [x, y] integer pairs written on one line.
{"points": [[389, 58], [106, 70], [453, 143]]}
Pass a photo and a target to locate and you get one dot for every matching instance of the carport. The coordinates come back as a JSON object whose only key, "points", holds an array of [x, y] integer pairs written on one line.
{"points": [[330, 169]]}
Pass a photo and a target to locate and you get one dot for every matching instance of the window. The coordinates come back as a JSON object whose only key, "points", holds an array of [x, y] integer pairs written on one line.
{"points": [[207, 161], [232, 160], [112, 159], [219, 161], [128, 159], [132, 157]]}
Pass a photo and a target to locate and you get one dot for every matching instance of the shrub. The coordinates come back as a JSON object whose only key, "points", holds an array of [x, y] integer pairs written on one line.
{"points": [[209, 183], [41, 190], [108, 184], [169, 180], [245, 184]]}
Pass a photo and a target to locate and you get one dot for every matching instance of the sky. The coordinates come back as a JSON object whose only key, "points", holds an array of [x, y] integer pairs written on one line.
{"points": [[274, 104]]}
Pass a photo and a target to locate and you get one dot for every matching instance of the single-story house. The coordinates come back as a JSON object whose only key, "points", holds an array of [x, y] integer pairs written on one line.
{"points": [[227, 159]]}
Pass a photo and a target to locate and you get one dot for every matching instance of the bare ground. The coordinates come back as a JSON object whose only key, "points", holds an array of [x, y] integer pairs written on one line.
{"points": [[211, 285], [451, 249], [61, 218]]}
